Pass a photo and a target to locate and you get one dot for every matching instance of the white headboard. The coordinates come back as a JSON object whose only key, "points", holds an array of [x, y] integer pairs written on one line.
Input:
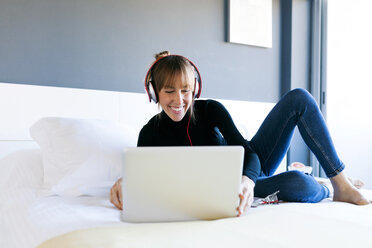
{"points": [[22, 105]]}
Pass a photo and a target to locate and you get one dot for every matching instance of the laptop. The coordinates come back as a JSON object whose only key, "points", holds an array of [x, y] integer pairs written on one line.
{"points": [[162, 184]]}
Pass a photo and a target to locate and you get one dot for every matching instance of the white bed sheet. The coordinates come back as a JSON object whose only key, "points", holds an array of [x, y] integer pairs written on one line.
{"points": [[28, 220]]}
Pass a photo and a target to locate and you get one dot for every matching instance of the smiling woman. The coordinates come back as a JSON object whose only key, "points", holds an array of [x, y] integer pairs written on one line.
{"points": [[212, 125]]}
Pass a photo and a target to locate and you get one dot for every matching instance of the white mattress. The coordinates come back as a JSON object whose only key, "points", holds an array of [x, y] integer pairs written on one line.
{"points": [[28, 220]]}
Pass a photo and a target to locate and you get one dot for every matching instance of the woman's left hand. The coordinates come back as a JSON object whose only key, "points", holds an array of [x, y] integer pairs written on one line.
{"points": [[246, 195]]}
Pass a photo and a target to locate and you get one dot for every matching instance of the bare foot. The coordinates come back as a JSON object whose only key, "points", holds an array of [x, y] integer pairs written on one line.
{"points": [[345, 191], [350, 196]]}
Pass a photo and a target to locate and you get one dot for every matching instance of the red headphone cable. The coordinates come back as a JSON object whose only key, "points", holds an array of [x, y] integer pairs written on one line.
{"points": [[188, 134]]}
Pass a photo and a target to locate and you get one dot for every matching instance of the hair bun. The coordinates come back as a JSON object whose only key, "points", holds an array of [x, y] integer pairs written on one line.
{"points": [[162, 54]]}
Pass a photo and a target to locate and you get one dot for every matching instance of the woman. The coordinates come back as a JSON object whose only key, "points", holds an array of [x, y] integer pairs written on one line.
{"points": [[174, 82]]}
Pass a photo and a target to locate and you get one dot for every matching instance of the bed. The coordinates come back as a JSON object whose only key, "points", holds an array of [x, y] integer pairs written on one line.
{"points": [[54, 189]]}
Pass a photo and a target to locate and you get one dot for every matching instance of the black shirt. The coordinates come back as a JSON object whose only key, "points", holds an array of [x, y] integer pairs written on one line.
{"points": [[212, 125]]}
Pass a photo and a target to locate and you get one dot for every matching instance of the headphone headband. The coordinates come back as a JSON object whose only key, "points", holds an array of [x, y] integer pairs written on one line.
{"points": [[150, 89]]}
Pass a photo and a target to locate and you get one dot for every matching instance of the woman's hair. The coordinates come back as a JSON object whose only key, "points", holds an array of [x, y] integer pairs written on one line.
{"points": [[167, 69]]}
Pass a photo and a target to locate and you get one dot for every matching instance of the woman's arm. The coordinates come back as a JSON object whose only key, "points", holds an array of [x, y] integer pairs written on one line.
{"points": [[115, 194], [246, 196], [220, 117]]}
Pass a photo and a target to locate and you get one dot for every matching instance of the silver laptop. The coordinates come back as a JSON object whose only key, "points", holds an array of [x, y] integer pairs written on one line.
{"points": [[163, 184]]}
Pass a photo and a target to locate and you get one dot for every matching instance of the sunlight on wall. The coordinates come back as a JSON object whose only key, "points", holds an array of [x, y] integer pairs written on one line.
{"points": [[349, 112]]}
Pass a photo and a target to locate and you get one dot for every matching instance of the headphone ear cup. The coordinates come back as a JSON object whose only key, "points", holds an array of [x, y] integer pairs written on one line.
{"points": [[196, 88], [198, 82], [152, 94]]}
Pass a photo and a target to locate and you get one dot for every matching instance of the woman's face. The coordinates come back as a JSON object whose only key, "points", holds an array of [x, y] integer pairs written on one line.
{"points": [[175, 100]]}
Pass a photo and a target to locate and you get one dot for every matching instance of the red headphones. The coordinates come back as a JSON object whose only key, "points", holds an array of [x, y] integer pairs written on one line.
{"points": [[150, 90]]}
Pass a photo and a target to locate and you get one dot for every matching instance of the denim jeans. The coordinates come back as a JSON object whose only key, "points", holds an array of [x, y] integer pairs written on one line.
{"points": [[272, 140]]}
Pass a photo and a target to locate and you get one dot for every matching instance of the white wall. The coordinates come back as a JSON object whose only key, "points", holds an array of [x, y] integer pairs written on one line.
{"points": [[350, 84]]}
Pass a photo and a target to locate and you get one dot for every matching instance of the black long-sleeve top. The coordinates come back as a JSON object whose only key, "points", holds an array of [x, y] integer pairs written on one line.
{"points": [[212, 125]]}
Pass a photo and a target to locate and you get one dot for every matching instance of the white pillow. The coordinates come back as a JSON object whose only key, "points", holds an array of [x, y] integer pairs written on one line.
{"points": [[80, 154], [21, 169]]}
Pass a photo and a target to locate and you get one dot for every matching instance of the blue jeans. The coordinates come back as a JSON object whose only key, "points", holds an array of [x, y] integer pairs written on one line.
{"points": [[272, 140]]}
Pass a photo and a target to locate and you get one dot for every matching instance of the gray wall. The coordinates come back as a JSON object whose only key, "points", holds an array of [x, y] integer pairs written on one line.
{"points": [[109, 45]]}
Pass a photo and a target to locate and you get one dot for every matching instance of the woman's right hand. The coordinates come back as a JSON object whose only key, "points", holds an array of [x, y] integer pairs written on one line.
{"points": [[115, 194]]}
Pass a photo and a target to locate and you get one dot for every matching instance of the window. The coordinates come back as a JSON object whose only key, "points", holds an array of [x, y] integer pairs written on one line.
{"points": [[349, 84]]}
